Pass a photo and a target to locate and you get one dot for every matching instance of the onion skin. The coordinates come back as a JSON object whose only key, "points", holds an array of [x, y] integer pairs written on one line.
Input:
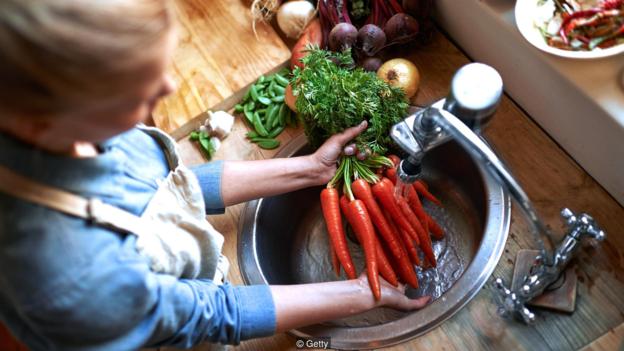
{"points": [[294, 16], [401, 73], [371, 39]]}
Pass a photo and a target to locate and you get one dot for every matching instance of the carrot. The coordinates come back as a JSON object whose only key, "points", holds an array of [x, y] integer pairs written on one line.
{"points": [[395, 159], [385, 269], [391, 174], [425, 240], [436, 230], [312, 34], [384, 192], [416, 205], [405, 248], [362, 190], [421, 188], [335, 261], [333, 220], [407, 244], [360, 221]]}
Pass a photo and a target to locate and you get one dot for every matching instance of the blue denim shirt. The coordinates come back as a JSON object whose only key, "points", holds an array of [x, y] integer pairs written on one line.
{"points": [[66, 284]]}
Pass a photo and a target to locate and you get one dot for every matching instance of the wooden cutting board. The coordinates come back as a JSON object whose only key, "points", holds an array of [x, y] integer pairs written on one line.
{"points": [[217, 55]]}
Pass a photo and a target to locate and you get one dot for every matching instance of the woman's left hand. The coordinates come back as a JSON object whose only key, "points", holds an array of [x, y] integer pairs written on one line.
{"points": [[327, 155]]}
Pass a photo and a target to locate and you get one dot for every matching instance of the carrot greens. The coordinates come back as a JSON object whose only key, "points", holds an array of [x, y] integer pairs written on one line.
{"points": [[333, 96]]}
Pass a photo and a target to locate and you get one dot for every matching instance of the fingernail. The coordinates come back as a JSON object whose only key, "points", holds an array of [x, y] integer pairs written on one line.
{"points": [[363, 123]]}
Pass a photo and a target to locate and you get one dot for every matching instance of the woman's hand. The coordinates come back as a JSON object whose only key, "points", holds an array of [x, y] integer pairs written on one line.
{"points": [[394, 297], [326, 156]]}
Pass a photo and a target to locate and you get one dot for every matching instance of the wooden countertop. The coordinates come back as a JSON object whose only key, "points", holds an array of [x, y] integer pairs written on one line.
{"points": [[549, 176]]}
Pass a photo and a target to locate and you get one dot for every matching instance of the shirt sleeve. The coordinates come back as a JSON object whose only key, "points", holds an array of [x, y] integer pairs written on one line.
{"points": [[209, 176], [123, 305]]}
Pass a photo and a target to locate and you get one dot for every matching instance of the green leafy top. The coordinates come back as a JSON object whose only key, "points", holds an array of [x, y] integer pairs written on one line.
{"points": [[331, 97]]}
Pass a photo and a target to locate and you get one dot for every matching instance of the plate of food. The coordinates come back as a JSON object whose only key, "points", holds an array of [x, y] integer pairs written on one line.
{"points": [[583, 29]]}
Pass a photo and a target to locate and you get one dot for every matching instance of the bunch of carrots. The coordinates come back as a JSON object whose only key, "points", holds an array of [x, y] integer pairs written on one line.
{"points": [[387, 217]]}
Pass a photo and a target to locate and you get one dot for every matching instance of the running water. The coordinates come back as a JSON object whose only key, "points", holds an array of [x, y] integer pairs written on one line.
{"points": [[313, 262]]}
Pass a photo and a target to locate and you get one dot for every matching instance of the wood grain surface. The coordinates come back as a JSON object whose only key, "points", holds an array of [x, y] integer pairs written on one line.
{"points": [[217, 55], [551, 179]]}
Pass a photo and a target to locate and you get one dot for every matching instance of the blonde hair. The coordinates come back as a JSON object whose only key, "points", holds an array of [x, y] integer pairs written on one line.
{"points": [[59, 54]]}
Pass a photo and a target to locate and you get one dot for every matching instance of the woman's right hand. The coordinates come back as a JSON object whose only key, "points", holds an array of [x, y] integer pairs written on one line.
{"points": [[394, 297]]}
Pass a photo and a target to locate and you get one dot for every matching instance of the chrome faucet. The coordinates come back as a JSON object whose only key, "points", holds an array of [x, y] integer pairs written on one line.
{"points": [[476, 91]]}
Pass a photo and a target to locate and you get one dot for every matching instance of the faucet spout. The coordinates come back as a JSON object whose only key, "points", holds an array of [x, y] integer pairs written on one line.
{"points": [[475, 93]]}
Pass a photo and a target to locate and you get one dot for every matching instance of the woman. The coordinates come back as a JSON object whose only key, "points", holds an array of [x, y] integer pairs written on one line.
{"points": [[89, 203]]}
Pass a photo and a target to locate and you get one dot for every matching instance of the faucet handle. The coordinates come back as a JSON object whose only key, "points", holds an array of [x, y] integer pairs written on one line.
{"points": [[476, 91], [511, 303], [582, 224]]}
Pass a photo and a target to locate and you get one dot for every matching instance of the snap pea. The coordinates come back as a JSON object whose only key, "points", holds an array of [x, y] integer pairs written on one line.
{"points": [[271, 115], [258, 126], [271, 89], [279, 98], [278, 90], [254, 93], [250, 105], [206, 147], [265, 100], [194, 135], [238, 108], [281, 80], [276, 120], [261, 80], [276, 132], [248, 116], [251, 134], [284, 112], [269, 144]]}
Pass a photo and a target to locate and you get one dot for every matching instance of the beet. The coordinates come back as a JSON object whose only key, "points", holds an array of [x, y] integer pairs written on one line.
{"points": [[342, 37], [401, 28], [371, 64], [418, 8], [371, 39]]}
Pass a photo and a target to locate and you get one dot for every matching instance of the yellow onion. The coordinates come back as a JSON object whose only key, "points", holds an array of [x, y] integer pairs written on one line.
{"points": [[401, 73]]}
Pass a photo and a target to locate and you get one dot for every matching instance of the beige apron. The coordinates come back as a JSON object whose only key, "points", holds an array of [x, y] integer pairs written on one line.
{"points": [[172, 233]]}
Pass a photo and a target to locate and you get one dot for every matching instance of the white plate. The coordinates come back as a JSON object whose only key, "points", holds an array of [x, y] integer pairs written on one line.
{"points": [[525, 12]]}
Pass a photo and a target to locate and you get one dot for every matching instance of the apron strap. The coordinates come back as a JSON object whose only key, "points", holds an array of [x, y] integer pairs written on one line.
{"points": [[91, 209]]}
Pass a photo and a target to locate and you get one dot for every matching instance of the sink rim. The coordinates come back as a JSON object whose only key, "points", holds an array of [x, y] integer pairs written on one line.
{"points": [[463, 291]]}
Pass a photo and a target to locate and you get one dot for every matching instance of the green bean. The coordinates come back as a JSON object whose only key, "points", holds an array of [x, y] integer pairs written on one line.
{"points": [[279, 98], [258, 126], [260, 80], [251, 134], [238, 108], [281, 80], [194, 135]]}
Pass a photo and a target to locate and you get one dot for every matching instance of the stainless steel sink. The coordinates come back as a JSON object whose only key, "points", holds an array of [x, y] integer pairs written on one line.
{"points": [[282, 240]]}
